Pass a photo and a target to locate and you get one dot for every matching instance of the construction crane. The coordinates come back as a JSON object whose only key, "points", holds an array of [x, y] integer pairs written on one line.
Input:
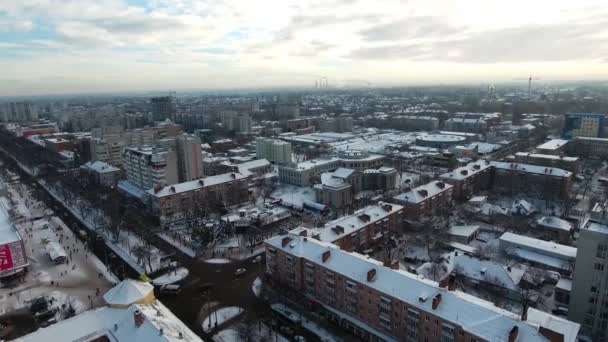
{"points": [[529, 79]]}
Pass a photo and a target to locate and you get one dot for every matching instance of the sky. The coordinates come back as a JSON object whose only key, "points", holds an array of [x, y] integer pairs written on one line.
{"points": [[84, 46]]}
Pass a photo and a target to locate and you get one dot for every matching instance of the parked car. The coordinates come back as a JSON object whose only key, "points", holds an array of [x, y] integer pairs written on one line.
{"points": [[257, 259], [239, 272], [171, 289], [560, 311]]}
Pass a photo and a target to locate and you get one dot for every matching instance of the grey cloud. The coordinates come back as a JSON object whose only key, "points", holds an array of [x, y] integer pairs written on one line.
{"points": [[408, 28], [521, 44]]}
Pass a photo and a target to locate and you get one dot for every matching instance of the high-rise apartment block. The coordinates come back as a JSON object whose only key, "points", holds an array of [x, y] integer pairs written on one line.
{"points": [[18, 112], [276, 151], [583, 125], [163, 107], [150, 167], [589, 295], [189, 157]]}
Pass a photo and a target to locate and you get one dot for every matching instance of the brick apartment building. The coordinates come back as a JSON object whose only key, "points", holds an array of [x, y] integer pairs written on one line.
{"points": [[377, 303], [363, 229], [426, 200], [179, 201], [469, 179]]}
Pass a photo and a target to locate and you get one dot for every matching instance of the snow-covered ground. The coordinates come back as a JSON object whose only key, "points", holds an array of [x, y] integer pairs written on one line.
{"points": [[181, 242], [123, 247], [221, 316], [74, 283], [171, 277], [294, 195]]}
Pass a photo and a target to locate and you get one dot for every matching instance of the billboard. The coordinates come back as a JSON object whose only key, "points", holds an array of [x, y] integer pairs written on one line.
{"points": [[6, 258]]}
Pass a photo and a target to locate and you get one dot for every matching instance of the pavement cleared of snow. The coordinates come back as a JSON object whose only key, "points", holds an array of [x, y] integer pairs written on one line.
{"points": [[218, 261], [171, 277], [221, 316]]}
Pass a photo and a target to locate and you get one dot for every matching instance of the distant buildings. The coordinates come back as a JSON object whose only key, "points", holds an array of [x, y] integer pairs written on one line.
{"points": [[376, 303], [414, 123], [561, 162], [276, 151], [189, 157], [590, 282], [338, 124], [150, 167], [18, 112], [466, 125], [583, 125], [236, 121], [163, 107], [586, 147]]}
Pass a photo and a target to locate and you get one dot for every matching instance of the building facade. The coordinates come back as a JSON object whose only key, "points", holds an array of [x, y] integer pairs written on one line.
{"points": [[189, 157], [426, 200], [163, 107], [150, 167], [583, 125], [276, 151]]}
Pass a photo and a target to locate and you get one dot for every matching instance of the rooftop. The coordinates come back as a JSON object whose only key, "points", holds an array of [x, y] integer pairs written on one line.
{"points": [[196, 184], [475, 315], [423, 192], [8, 233], [100, 167], [467, 171], [553, 144], [441, 138], [545, 156], [542, 170], [567, 252], [554, 222]]}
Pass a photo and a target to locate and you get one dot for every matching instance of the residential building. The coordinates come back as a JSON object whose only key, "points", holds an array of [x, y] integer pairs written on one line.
{"points": [[383, 178], [163, 107], [599, 213], [189, 157], [235, 121], [334, 191], [549, 255], [466, 125], [106, 151], [583, 125], [84, 119], [470, 179], [534, 180], [179, 201], [414, 123], [377, 303], [590, 283], [132, 314], [549, 160], [594, 148], [555, 228], [257, 166], [363, 229], [553, 147], [276, 151], [18, 112], [359, 160], [426, 201], [150, 167], [103, 173]]}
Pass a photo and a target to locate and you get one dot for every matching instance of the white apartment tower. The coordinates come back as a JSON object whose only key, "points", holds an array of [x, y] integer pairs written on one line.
{"points": [[277, 151], [150, 167], [189, 157]]}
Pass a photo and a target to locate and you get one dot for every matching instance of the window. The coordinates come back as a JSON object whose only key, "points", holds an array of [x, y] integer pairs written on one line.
{"points": [[602, 250], [598, 266]]}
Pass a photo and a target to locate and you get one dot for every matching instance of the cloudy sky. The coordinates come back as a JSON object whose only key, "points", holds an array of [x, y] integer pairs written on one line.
{"points": [[74, 46]]}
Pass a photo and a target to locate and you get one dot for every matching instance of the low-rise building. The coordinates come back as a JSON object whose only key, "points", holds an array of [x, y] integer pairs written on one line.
{"points": [[426, 200], [555, 228], [378, 303], [538, 252], [588, 147], [469, 179], [384, 178], [549, 160], [179, 201], [103, 173], [553, 146], [13, 255], [463, 234]]}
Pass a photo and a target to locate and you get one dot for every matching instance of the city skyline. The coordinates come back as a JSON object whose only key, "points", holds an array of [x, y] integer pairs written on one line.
{"points": [[62, 47]]}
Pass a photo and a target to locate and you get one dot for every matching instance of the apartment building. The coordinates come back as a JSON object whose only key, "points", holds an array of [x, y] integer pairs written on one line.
{"points": [[363, 229], [534, 180], [469, 180], [414, 123], [150, 167], [106, 151], [587, 147], [274, 150], [163, 107], [561, 162], [377, 303], [426, 200], [383, 178], [189, 157], [103, 173], [18, 112], [588, 298], [182, 200], [466, 125], [583, 125]]}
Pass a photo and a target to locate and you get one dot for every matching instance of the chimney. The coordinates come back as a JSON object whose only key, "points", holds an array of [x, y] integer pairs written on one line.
{"points": [[161, 332], [452, 282], [325, 256], [138, 317], [233, 175], [157, 189], [201, 182], [285, 241], [173, 188], [436, 301], [304, 233], [513, 333], [524, 312], [371, 275]]}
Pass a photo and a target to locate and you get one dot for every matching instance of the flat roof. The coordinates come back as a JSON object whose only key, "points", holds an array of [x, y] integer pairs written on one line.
{"points": [[475, 315], [553, 144], [196, 184], [441, 138], [8, 232], [566, 252], [423, 192]]}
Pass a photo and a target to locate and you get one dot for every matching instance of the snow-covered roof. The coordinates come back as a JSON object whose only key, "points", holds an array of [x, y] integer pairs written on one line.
{"points": [[546, 156], [313, 163], [478, 199], [423, 192], [560, 325], [100, 167], [486, 271], [467, 171], [554, 222], [564, 284], [552, 144], [465, 230], [328, 179], [343, 173], [128, 292], [543, 170], [540, 246], [118, 325], [8, 233], [348, 224], [475, 315], [253, 164], [196, 184], [441, 138]]}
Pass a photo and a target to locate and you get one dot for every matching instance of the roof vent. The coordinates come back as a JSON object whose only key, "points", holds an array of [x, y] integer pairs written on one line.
{"points": [[138, 318], [464, 172], [423, 297], [364, 217], [285, 241], [436, 301], [371, 275], [325, 256], [513, 333], [423, 192], [173, 188], [338, 230], [440, 185]]}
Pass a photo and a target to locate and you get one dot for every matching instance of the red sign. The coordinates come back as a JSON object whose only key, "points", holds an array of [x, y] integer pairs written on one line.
{"points": [[6, 259]]}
